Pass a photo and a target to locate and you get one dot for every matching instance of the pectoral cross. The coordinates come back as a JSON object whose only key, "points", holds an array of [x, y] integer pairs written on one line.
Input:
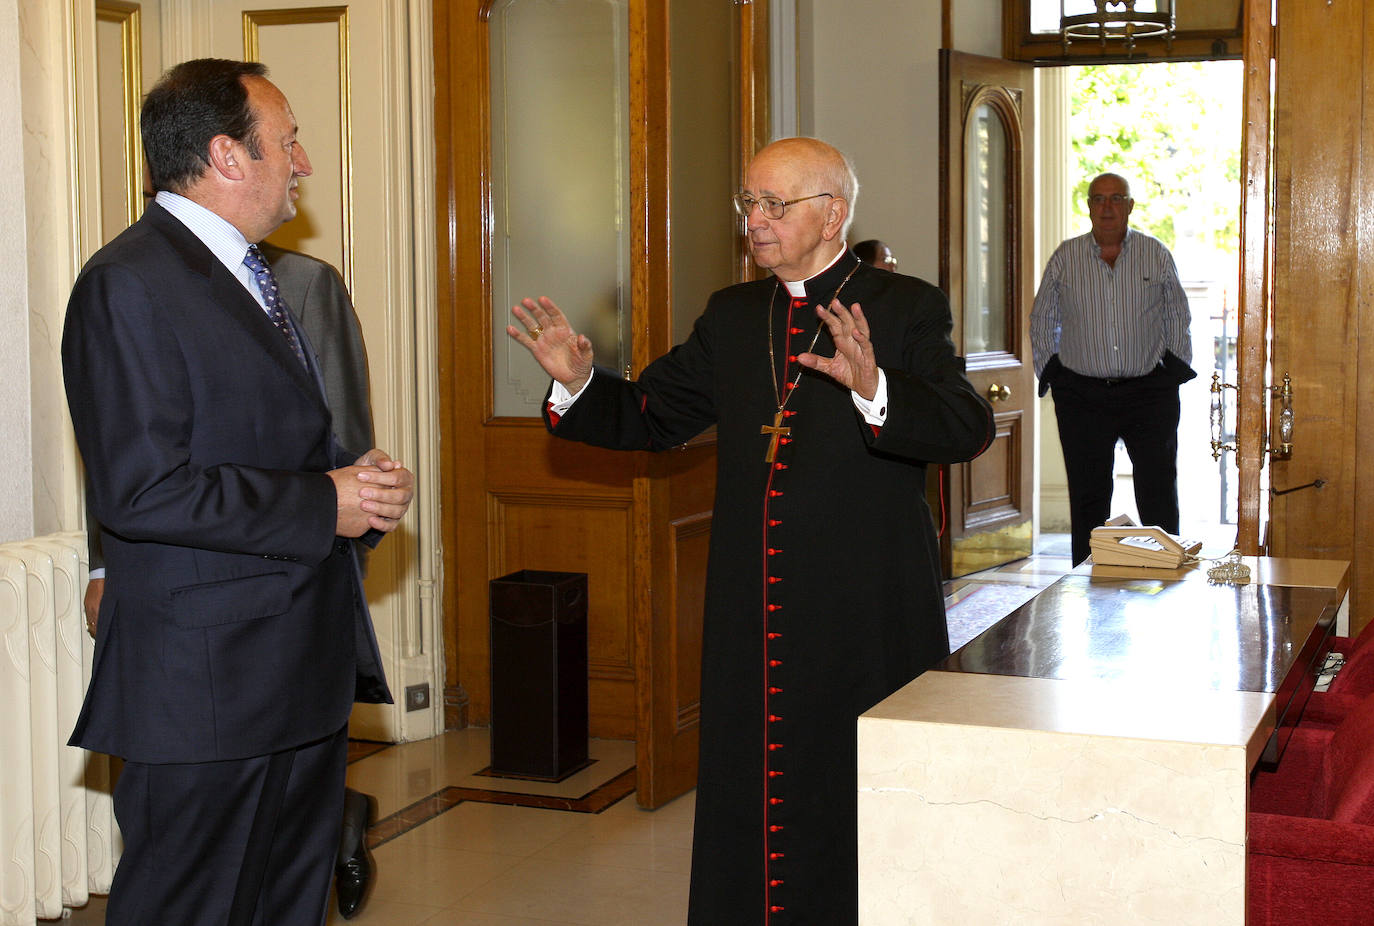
{"points": [[775, 431]]}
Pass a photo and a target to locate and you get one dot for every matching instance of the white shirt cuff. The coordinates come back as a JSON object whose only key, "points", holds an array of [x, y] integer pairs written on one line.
{"points": [[875, 411], [560, 399]]}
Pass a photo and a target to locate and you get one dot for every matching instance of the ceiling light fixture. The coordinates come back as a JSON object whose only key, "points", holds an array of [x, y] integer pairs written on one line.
{"points": [[1117, 21]]}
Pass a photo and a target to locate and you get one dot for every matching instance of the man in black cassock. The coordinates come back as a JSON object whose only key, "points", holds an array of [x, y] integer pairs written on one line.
{"points": [[831, 384]]}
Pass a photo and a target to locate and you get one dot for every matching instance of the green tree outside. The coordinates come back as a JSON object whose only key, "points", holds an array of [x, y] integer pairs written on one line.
{"points": [[1173, 130]]}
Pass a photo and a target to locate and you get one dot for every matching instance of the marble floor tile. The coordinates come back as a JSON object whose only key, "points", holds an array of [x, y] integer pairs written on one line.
{"points": [[379, 911], [411, 871], [468, 918], [644, 840], [513, 831], [587, 895]]}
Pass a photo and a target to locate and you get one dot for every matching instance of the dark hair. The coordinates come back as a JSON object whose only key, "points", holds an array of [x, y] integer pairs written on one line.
{"points": [[191, 104], [867, 251]]}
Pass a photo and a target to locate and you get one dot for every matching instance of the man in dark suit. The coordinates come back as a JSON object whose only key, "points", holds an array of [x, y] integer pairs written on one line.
{"points": [[320, 303], [233, 634]]}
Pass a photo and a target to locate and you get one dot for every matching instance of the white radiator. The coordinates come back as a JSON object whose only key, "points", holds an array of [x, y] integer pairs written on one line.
{"points": [[58, 840]]}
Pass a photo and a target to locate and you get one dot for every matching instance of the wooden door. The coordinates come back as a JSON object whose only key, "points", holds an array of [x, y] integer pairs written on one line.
{"points": [[985, 268], [637, 524], [1323, 285]]}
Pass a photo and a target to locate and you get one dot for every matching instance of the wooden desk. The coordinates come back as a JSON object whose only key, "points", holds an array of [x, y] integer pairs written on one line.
{"points": [[1087, 759]]}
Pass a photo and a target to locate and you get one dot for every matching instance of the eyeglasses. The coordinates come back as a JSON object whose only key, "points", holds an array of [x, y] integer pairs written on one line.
{"points": [[770, 206], [1116, 199]]}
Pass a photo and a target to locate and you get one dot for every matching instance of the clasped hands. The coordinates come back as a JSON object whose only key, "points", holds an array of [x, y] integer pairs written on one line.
{"points": [[567, 356], [373, 494]]}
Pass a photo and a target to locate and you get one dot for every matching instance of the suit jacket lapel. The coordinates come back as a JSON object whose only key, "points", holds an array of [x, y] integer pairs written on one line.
{"points": [[225, 290]]}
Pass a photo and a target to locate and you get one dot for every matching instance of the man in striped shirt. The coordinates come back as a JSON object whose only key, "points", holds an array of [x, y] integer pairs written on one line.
{"points": [[1109, 332]]}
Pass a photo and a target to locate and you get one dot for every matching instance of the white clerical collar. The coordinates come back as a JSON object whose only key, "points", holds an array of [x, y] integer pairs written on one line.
{"points": [[798, 290]]}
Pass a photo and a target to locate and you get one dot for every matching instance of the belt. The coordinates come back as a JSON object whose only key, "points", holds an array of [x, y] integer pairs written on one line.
{"points": [[1114, 380]]}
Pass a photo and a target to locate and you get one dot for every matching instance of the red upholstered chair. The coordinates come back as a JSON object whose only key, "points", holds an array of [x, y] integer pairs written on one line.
{"points": [[1310, 847]]}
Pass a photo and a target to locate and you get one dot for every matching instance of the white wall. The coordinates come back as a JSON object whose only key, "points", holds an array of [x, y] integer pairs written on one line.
{"points": [[977, 27], [869, 83]]}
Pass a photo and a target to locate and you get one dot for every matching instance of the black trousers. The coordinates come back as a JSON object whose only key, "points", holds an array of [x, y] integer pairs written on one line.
{"points": [[1093, 414], [249, 842]]}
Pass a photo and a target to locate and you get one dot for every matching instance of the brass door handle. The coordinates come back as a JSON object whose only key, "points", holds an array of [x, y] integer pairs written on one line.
{"points": [[998, 393]]}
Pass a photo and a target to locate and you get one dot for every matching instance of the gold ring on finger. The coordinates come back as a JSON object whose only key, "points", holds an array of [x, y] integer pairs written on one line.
{"points": [[536, 331]]}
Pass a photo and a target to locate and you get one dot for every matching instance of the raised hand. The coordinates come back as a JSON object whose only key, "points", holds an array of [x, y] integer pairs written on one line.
{"points": [[563, 353], [853, 365]]}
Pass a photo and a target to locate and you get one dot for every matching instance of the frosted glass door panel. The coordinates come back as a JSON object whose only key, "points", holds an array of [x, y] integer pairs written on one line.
{"points": [[559, 180], [985, 230]]}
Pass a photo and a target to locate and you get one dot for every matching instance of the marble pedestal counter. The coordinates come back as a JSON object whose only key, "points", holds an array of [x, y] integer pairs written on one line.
{"points": [[1061, 768]]}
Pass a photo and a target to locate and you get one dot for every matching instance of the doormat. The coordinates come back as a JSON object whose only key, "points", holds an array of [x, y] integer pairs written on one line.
{"points": [[977, 607]]}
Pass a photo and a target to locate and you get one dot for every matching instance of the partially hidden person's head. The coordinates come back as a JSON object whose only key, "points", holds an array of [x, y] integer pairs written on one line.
{"points": [[876, 252], [797, 202], [1109, 207], [221, 133]]}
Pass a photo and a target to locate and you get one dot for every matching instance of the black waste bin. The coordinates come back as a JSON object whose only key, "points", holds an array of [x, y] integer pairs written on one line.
{"points": [[539, 673]]}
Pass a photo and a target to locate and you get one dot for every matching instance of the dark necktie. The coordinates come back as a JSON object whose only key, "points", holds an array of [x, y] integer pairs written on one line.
{"points": [[271, 296]]}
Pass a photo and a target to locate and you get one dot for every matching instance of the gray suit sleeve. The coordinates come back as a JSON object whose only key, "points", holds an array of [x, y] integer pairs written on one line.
{"points": [[318, 297]]}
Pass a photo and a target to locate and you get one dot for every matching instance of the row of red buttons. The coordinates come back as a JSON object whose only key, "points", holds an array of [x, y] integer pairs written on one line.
{"points": [[771, 612]]}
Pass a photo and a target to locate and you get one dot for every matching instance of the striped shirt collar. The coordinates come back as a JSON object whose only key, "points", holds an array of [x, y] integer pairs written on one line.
{"points": [[1125, 241], [224, 240], [218, 234]]}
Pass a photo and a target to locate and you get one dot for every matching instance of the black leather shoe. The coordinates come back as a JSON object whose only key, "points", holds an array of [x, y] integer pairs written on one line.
{"points": [[353, 876]]}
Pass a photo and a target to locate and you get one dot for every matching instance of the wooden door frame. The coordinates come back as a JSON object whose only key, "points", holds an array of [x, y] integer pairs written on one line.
{"points": [[1256, 240], [464, 252]]}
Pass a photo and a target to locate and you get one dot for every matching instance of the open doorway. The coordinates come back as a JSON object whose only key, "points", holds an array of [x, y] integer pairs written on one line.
{"points": [[1173, 129]]}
